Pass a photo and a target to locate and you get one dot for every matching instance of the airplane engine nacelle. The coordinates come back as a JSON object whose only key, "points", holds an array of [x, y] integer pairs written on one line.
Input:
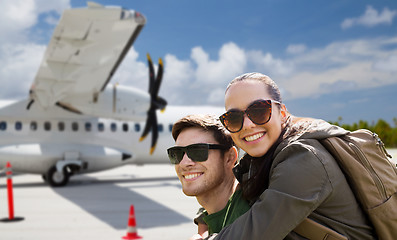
{"points": [[120, 102], [38, 158]]}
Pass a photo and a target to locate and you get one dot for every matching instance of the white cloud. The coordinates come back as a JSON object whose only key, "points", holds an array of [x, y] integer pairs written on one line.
{"points": [[265, 62], [201, 79], [177, 71], [339, 66], [16, 17], [370, 18], [19, 56], [358, 64], [132, 72], [216, 96], [232, 61], [51, 20], [389, 64], [19, 64], [296, 48], [20, 15]]}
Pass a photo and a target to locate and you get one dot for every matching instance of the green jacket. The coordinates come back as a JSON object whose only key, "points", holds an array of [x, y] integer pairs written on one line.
{"points": [[305, 181]]}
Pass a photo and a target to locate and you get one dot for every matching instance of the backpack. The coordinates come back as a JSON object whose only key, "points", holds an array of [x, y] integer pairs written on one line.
{"points": [[372, 176]]}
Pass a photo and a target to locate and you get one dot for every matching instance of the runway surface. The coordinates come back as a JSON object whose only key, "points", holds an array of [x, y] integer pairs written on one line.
{"points": [[96, 206]]}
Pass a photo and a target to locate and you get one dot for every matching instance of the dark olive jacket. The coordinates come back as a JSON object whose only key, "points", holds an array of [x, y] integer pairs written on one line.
{"points": [[305, 181]]}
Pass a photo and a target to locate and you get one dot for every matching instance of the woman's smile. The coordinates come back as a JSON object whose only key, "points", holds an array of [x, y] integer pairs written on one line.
{"points": [[254, 137]]}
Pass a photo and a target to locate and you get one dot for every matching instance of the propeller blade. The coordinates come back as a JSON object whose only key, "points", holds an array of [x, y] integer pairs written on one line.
{"points": [[147, 128], [151, 124], [154, 132], [158, 78], [151, 75]]}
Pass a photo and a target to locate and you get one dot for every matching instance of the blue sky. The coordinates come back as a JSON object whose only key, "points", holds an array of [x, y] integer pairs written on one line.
{"points": [[330, 58]]}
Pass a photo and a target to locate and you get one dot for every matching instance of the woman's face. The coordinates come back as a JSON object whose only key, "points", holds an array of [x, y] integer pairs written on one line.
{"points": [[254, 139]]}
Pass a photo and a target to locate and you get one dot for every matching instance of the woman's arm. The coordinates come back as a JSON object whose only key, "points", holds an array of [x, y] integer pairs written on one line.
{"points": [[298, 185]]}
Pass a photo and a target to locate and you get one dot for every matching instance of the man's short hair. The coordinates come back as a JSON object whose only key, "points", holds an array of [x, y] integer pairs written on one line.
{"points": [[208, 123]]}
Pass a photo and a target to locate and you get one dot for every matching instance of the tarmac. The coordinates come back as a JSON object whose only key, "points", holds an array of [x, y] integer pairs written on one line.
{"points": [[96, 206]]}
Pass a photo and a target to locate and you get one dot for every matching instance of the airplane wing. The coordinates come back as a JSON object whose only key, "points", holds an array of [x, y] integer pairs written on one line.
{"points": [[85, 50]]}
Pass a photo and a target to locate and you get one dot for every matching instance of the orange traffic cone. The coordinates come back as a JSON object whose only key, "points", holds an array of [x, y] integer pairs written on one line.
{"points": [[132, 232], [11, 217]]}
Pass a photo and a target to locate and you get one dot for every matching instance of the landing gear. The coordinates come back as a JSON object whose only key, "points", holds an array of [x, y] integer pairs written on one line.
{"points": [[56, 178], [58, 175], [44, 176]]}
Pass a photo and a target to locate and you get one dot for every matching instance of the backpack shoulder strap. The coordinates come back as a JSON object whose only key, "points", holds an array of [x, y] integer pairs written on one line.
{"points": [[313, 230]]}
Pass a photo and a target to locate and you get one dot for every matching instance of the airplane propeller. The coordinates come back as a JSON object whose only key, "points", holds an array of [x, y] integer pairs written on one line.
{"points": [[155, 103]]}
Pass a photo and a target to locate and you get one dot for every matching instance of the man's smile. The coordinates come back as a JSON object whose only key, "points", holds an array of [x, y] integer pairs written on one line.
{"points": [[192, 176]]}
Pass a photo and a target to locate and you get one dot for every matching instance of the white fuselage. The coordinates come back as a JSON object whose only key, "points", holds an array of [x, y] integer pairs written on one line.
{"points": [[36, 139]]}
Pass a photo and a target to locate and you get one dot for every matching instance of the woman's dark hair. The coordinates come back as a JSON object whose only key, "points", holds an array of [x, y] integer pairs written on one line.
{"points": [[270, 85]]}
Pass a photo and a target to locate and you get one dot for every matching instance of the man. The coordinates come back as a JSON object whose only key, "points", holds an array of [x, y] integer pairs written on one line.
{"points": [[204, 156]]}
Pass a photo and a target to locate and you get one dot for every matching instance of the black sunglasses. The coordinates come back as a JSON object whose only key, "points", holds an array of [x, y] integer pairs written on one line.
{"points": [[196, 152], [259, 112]]}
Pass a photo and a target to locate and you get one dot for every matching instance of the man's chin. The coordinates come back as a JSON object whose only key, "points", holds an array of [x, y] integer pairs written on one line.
{"points": [[190, 193]]}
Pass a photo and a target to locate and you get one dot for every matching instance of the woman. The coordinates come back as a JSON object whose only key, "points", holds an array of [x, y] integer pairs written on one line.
{"points": [[286, 173]]}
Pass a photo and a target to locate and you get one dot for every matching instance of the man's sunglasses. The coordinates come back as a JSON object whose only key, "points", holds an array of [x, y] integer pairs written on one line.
{"points": [[259, 112], [196, 152]]}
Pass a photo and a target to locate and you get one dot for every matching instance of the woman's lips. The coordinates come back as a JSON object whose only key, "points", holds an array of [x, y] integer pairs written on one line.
{"points": [[254, 137]]}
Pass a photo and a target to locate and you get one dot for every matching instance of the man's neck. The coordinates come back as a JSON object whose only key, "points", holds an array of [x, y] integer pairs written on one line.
{"points": [[217, 199]]}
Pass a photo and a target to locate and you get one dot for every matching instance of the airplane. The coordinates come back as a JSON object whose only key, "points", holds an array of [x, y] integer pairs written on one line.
{"points": [[74, 121]]}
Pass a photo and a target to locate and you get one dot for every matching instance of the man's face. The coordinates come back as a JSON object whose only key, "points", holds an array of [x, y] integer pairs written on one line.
{"points": [[200, 178]]}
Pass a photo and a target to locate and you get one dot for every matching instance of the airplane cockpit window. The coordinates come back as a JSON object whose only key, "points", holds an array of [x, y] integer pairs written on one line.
{"points": [[125, 14], [160, 127], [47, 126], [137, 127], [125, 127], [101, 127], [113, 127], [3, 126], [75, 126], [170, 127], [61, 126], [33, 126], [18, 125], [88, 126]]}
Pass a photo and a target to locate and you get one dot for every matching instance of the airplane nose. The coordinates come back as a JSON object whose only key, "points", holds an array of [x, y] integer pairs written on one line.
{"points": [[125, 156]]}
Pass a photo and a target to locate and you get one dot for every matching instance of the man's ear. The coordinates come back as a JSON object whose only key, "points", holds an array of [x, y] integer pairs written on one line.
{"points": [[231, 157]]}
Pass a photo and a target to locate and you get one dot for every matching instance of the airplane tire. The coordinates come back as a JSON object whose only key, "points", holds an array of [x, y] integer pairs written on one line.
{"points": [[44, 176], [57, 179]]}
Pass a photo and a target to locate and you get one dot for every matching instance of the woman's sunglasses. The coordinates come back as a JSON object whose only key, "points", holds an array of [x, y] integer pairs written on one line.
{"points": [[196, 152], [259, 112]]}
